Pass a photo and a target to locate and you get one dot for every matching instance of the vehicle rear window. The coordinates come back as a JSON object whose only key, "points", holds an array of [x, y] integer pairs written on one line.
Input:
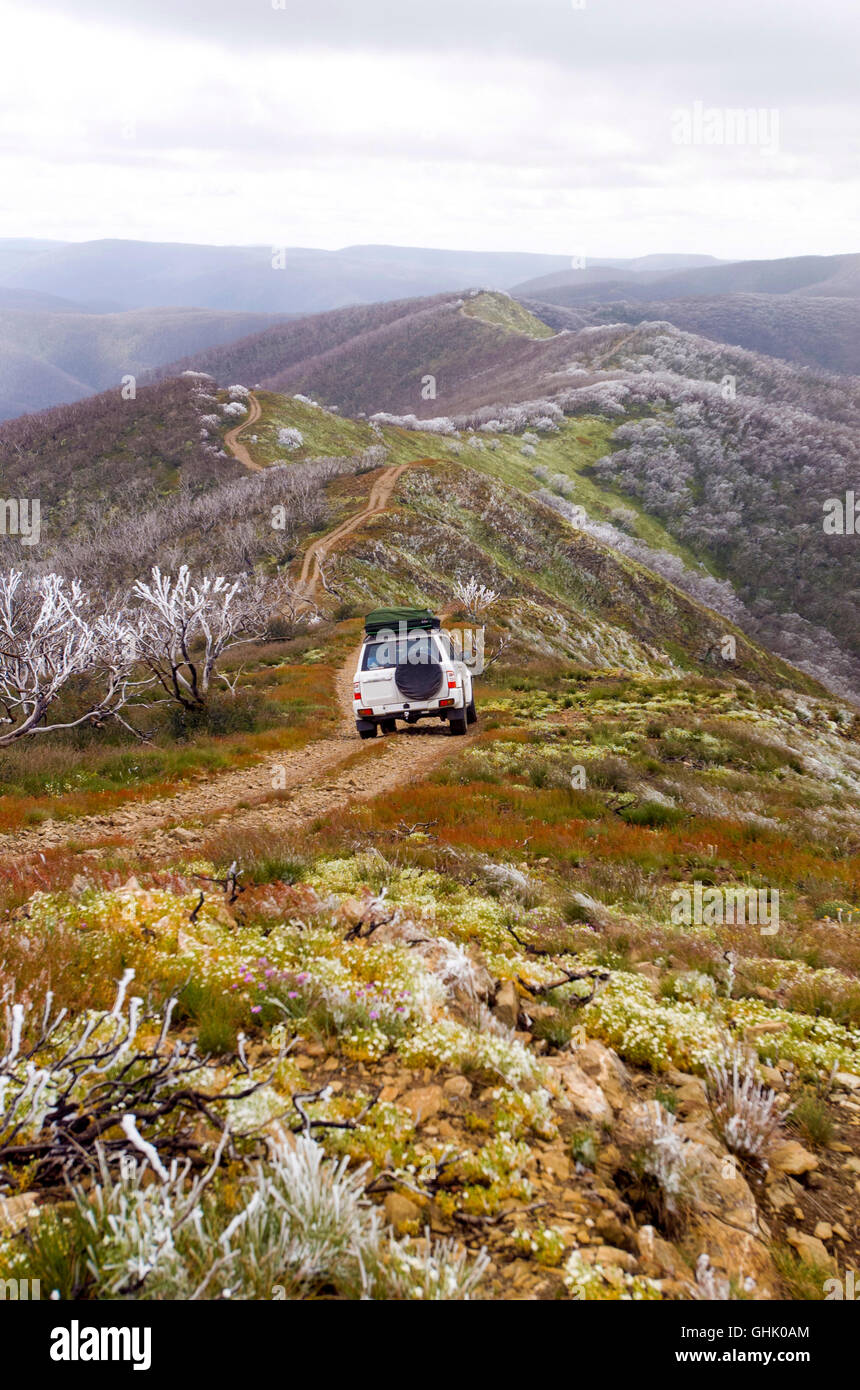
{"points": [[419, 650]]}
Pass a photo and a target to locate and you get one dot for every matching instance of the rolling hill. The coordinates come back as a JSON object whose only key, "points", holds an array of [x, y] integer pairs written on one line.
{"points": [[361, 360], [740, 481]]}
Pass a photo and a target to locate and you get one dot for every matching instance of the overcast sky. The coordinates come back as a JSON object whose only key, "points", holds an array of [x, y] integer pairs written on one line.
{"points": [[530, 125]]}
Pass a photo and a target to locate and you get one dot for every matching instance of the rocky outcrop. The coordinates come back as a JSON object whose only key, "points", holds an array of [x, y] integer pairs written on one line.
{"points": [[606, 1070], [581, 1093]]}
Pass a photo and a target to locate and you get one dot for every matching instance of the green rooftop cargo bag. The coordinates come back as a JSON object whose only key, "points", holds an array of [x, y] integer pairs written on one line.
{"points": [[399, 620]]}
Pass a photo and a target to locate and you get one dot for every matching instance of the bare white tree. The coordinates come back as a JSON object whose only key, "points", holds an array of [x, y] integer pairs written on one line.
{"points": [[183, 628], [475, 597], [48, 637]]}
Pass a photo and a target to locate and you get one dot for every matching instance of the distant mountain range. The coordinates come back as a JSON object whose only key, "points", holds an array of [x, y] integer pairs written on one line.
{"points": [[808, 275], [115, 275], [75, 317]]}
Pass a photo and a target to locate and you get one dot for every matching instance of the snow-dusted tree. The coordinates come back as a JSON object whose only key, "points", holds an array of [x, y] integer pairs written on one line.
{"points": [[290, 438], [48, 637], [475, 597], [439, 424], [235, 410], [184, 628]]}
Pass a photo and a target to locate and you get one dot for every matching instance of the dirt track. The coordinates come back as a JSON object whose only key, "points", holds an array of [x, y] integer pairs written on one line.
{"points": [[308, 782], [231, 438], [310, 578]]}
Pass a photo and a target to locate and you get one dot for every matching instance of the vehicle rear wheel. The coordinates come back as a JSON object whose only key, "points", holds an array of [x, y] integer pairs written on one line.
{"points": [[471, 712], [458, 721], [389, 726]]}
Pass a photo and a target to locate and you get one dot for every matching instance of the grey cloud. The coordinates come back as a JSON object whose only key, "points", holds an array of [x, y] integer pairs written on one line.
{"points": [[762, 51]]}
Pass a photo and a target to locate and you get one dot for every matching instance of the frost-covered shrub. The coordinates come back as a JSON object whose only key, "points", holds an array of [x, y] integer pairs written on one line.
{"points": [[669, 1159], [234, 410], [297, 1223], [210, 422], [529, 450], [560, 483], [445, 1273], [290, 438], [475, 597], [238, 393], [744, 1110]]}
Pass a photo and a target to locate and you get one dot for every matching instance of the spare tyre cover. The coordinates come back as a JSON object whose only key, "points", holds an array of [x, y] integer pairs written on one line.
{"points": [[418, 681]]}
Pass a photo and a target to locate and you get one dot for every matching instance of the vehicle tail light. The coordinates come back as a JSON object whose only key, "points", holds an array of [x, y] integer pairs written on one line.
{"points": [[452, 682], [444, 703], [367, 712], [356, 691]]}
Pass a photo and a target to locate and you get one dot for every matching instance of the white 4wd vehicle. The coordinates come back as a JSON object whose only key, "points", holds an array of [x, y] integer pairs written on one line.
{"points": [[410, 672]]}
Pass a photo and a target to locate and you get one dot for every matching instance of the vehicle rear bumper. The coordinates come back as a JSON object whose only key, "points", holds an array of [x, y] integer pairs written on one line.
{"points": [[403, 709], [409, 716]]}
